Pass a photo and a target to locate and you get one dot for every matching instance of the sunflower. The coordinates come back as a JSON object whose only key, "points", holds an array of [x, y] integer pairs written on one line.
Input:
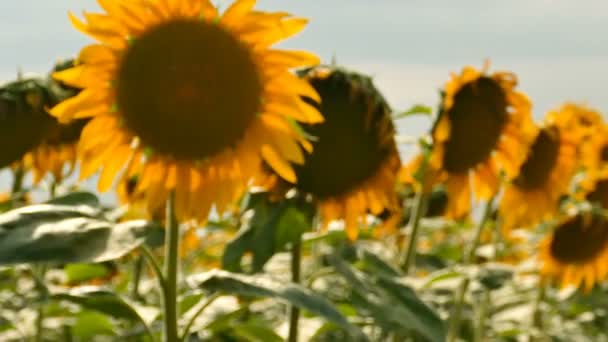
{"points": [[545, 175], [23, 120], [595, 151], [484, 127], [577, 251], [353, 168], [190, 99]]}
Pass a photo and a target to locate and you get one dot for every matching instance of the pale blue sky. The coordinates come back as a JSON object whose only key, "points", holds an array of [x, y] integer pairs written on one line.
{"points": [[558, 48]]}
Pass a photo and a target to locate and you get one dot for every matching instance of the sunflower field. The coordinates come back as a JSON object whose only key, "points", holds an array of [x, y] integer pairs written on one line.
{"points": [[186, 178]]}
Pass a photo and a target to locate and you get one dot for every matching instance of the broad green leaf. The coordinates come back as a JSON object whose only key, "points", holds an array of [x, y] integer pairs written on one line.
{"points": [[76, 198], [66, 234], [271, 227], [265, 286], [393, 305], [77, 273], [255, 333], [103, 302], [417, 109], [90, 325]]}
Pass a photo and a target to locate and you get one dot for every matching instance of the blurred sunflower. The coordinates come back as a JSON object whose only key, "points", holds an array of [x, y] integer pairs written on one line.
{"points": [[484, 128], [56, 151], [161, 89], [23, 120], [545, 175], [595, 152], [33, 136], [353, 168], [577, 251]]}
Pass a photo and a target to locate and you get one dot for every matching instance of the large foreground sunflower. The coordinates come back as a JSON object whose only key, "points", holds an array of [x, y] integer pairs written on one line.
{"points": [[484, 128], [545, 175], [577, 251], [190, 99], [353, 168]]}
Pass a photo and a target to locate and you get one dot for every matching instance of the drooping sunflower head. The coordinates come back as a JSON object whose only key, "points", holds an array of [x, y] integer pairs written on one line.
{"points": [[57, 149], [577, 251], [190, 99], [354, 164], [23, 120], [484, 127], [545, 176]]}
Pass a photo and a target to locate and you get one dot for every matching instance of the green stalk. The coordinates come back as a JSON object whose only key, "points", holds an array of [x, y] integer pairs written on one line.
{"points": [[469, 256], [410, 252], [198, 312], [537, 314], [39, 275], [294, 313], [480, 327], [170, 333], [138, 267], [18, 176]]}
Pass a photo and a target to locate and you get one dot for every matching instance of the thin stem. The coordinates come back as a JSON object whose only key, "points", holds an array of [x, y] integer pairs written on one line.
{"points": [[149, 256], [137, 272], [537, 314], [469, 256], [410, 253], [198, 312], [294, 313], [480, 327], [472, 251], [39, 274], [171, 270], [18, 175]]}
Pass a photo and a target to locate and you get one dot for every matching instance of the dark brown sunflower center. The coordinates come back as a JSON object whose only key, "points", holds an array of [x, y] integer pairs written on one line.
{"points": [[580, 239], [599, 195], [604, 153], [188, 89], [477, 117], [353, 142], [541, 161]]}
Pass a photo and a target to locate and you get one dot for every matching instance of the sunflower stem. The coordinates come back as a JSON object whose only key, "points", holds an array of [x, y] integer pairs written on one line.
{"points": [[482, 315], [537, 313], [410, 252], [294, 312], [469, 256], [39, 274], [18, 175], [170, 333]]}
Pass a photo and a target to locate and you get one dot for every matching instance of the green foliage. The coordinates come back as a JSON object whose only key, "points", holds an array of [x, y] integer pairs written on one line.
{"points": [[66, 234], [265, 286]]}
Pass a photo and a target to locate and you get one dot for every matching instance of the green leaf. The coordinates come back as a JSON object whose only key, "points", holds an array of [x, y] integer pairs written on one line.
{"points": [[90, 325], [417, 109], [77, 198], [66, 234], [256, 333], [291, 225], [77, 273], [393, 305], [271, 227], [102, 302], [265, 286]]}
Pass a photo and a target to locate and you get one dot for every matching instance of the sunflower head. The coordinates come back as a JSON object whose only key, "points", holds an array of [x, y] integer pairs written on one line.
{"points": [[545, 176], [484, 127], [188, 98], [577, 250], [23, 120], [354, 164]]}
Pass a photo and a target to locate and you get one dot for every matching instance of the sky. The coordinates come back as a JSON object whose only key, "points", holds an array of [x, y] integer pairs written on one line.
{"points": [[558, 48]]}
